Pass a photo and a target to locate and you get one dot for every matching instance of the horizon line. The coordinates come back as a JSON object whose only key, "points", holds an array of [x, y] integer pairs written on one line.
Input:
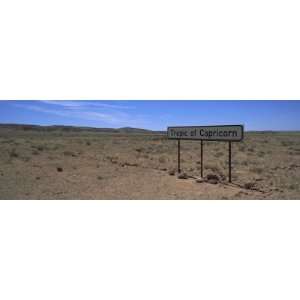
{"points": [[87, 127]]}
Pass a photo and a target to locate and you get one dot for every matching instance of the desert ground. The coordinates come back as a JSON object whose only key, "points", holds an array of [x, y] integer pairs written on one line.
{"points": [[92, 165]]}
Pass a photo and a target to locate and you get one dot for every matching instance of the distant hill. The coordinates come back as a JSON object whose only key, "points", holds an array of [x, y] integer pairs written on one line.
{"points": [[133, 130], [63, 128]]}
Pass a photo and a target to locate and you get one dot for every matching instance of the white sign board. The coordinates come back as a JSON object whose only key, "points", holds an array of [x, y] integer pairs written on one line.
{"points": [[233, 133]]}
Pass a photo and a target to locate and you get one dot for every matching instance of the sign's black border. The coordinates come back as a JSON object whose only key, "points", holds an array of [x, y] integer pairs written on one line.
{"points": [[208, 140]]}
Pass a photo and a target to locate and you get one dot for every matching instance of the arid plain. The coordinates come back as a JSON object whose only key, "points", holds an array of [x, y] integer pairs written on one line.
{"points": [[128, 164]]}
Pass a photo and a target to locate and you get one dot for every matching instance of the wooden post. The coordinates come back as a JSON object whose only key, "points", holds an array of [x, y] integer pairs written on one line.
{"points": [[179, 156], [229, 161], [202, 158]]}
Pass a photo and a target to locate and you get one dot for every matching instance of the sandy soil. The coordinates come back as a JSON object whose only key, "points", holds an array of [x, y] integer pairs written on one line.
{"points": [[113, 166]]}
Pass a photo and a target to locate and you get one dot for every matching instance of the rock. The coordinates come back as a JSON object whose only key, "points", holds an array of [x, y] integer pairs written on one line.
{"points": [[239, 194], [69, 153], [222, 177], [182, 176], [199, 180], [59, 169], [171, 172], [212, 177], [35, 152], [249, 185], [129, 164], [212, 181]]}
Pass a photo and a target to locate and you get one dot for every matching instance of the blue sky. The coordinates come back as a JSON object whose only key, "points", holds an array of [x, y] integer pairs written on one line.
{"points": [[156, 115]]}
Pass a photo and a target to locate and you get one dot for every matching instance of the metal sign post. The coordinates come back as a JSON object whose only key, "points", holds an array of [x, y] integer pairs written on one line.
{"points": [[229, 162], [202, 158], [179, 156]]}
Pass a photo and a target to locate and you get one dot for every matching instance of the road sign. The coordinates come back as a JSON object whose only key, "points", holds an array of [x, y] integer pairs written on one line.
{"points": [[227, 133], [233, 133]]}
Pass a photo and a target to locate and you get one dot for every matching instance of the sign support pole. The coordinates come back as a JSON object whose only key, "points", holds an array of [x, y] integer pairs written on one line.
{"points": [[202, 158], [179, 156], [229, 161]]}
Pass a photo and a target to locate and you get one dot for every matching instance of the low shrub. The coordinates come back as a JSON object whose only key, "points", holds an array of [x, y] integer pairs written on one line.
{"points": [[286, 143], [219, 154], [69, 153], [13, 154], [162, 159], [261, 154], [40, 148], [256, 170]]}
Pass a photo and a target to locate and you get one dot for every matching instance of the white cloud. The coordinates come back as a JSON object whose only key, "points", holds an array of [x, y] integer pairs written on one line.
{"points": [[41, 109], [82, 104], [99, 113], [115, 118]]}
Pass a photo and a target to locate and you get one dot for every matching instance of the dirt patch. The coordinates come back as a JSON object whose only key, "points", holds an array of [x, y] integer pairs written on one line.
{"points": [[129, 166]]}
